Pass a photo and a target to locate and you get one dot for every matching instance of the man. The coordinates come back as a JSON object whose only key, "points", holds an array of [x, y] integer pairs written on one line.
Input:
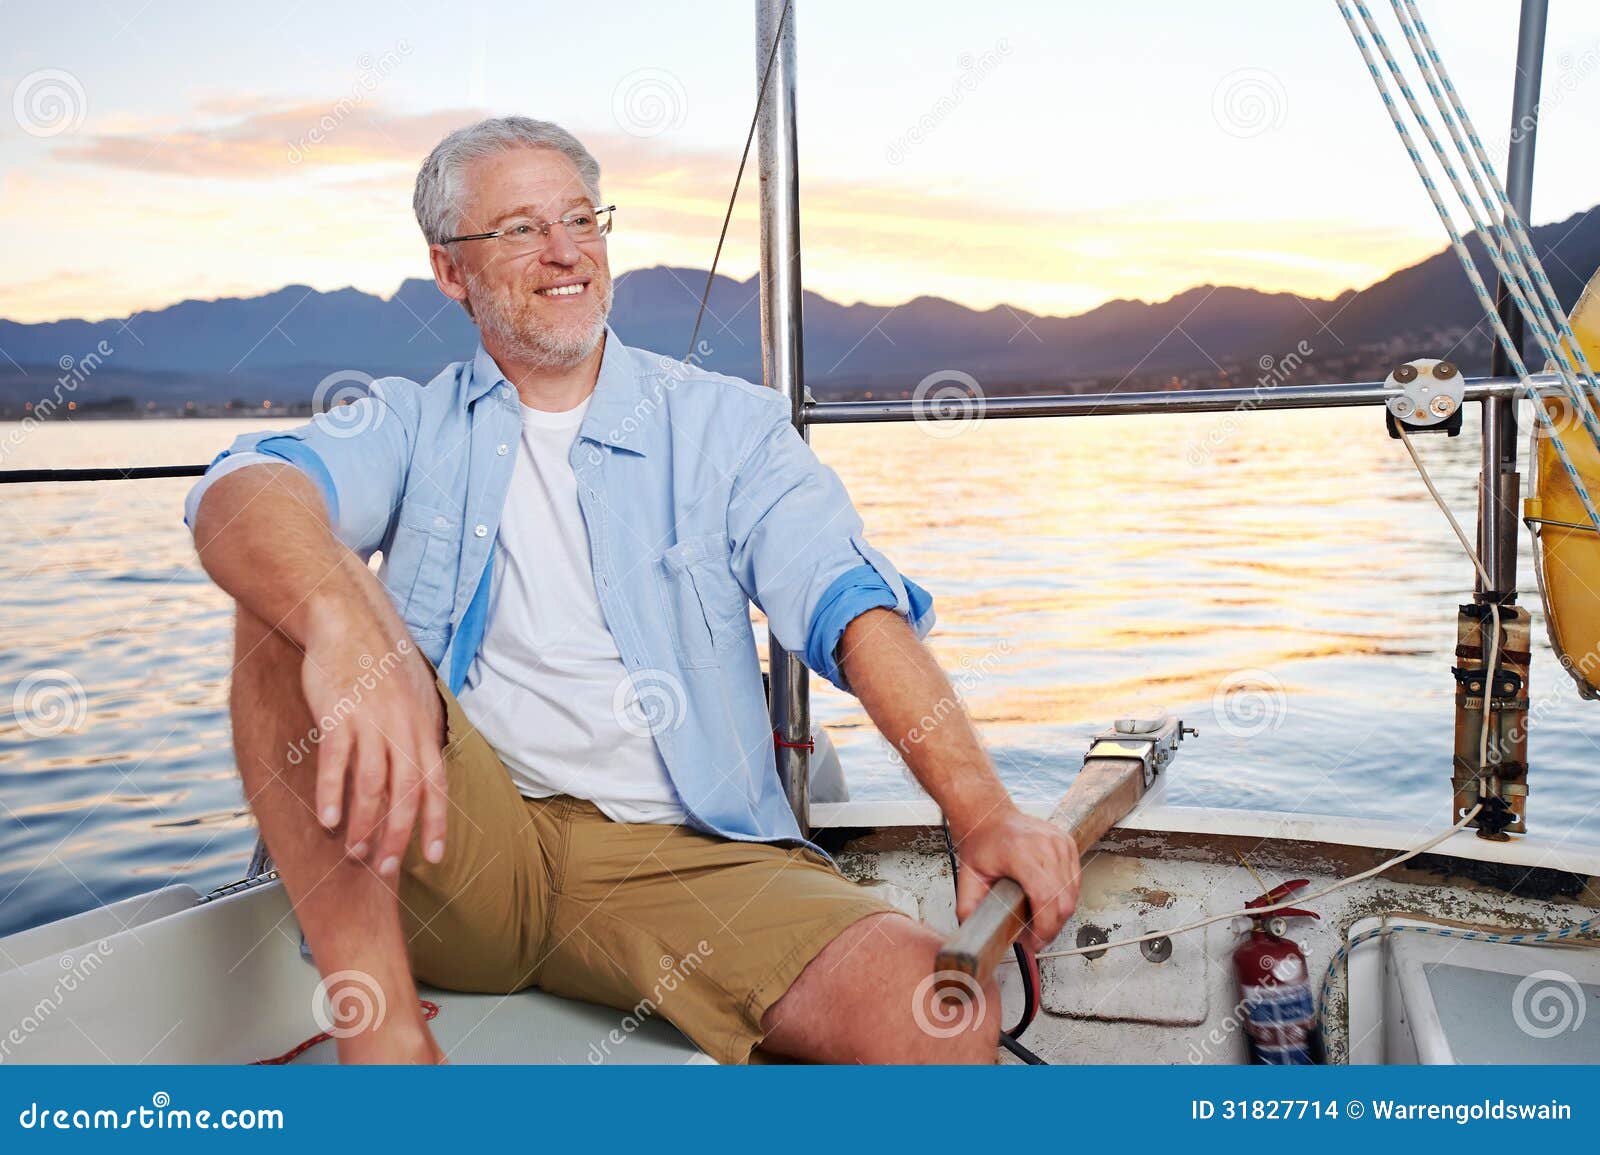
{"points": [[542, 752]]}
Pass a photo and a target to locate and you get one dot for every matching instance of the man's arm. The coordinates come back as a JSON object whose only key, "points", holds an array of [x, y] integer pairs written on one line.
{"points": [[264, 536], [902, 687]]}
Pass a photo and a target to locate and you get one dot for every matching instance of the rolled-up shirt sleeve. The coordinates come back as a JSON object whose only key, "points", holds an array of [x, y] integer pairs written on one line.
{"points": [[356, 456], [799, 551]]}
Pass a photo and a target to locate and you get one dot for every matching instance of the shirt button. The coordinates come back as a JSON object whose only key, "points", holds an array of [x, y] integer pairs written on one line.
{"points": [[502, 450], [440, 521], [481, 531]]}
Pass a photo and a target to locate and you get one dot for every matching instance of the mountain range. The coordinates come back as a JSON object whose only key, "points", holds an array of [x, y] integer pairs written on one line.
{"points": [[280, 344]]}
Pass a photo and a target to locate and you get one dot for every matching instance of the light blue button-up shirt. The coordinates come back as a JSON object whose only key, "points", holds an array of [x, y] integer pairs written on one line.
{"points": [[699, 498]]}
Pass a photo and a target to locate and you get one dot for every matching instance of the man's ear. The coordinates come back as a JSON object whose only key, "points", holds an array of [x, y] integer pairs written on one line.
{"points": [[449, 276]]}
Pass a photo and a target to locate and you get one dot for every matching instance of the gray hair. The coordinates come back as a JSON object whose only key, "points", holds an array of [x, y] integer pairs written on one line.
{"points": [[438, 193]]}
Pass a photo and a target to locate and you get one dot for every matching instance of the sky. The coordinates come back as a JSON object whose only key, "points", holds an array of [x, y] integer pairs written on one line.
{"points": [[1046, 155]]}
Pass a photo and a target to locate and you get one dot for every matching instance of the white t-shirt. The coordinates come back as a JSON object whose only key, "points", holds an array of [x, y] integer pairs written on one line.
{"points": [[548, 689]]}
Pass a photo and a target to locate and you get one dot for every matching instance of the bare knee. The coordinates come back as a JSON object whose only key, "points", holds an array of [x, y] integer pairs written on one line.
{"points": [[955, 1019], [872, 996]]}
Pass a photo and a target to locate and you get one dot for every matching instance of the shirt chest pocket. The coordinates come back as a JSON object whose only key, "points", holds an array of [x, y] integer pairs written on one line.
{"points": [[706, 609], [423, 560]]}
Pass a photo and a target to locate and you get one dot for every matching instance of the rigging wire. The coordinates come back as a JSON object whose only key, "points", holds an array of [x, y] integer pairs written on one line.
{"points": [[1510, 217], [27, 476], [1513, 354], [744, 157], [1514, 270]]}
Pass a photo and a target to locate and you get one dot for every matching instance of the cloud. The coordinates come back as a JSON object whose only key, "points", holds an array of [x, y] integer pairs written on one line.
{"points": [[881, 242], [279, 142]]}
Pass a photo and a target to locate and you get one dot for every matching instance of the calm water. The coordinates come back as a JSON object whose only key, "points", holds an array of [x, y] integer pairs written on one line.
{"points": [[1281, 580]]}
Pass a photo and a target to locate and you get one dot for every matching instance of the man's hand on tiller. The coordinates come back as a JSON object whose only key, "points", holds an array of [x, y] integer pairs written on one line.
{"points": [[1041, 858]]}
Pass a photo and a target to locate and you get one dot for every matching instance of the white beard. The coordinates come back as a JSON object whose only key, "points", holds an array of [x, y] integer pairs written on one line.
{"points": [[510, 322]]}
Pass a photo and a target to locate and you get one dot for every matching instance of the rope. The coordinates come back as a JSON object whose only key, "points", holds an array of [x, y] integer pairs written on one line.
{"points": [[1510, 218], [1258, 911], [1488, 584], [1483, 758], [1342, 955], [430, 1011], [1513, 268], [1513, 354]]}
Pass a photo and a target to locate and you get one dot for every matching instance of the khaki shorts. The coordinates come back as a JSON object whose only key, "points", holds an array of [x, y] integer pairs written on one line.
{"points": [[705, 932]]}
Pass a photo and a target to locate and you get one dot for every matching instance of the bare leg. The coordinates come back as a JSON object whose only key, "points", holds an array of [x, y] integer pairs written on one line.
{"points": [[350, 915], [867, 998]]}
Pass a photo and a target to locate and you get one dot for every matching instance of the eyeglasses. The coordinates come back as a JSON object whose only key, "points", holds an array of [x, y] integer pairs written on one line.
{"points": [[581, 225]]}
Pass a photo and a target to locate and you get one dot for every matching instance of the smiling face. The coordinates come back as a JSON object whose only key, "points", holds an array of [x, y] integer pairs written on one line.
{"points": [[545, 308]]}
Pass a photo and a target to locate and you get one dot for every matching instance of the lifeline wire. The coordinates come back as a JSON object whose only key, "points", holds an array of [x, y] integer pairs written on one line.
{"points": [[1258, 911]]}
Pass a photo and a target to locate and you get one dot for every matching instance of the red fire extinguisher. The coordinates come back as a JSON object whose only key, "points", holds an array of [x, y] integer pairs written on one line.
{"points": [[1275, 997]]}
